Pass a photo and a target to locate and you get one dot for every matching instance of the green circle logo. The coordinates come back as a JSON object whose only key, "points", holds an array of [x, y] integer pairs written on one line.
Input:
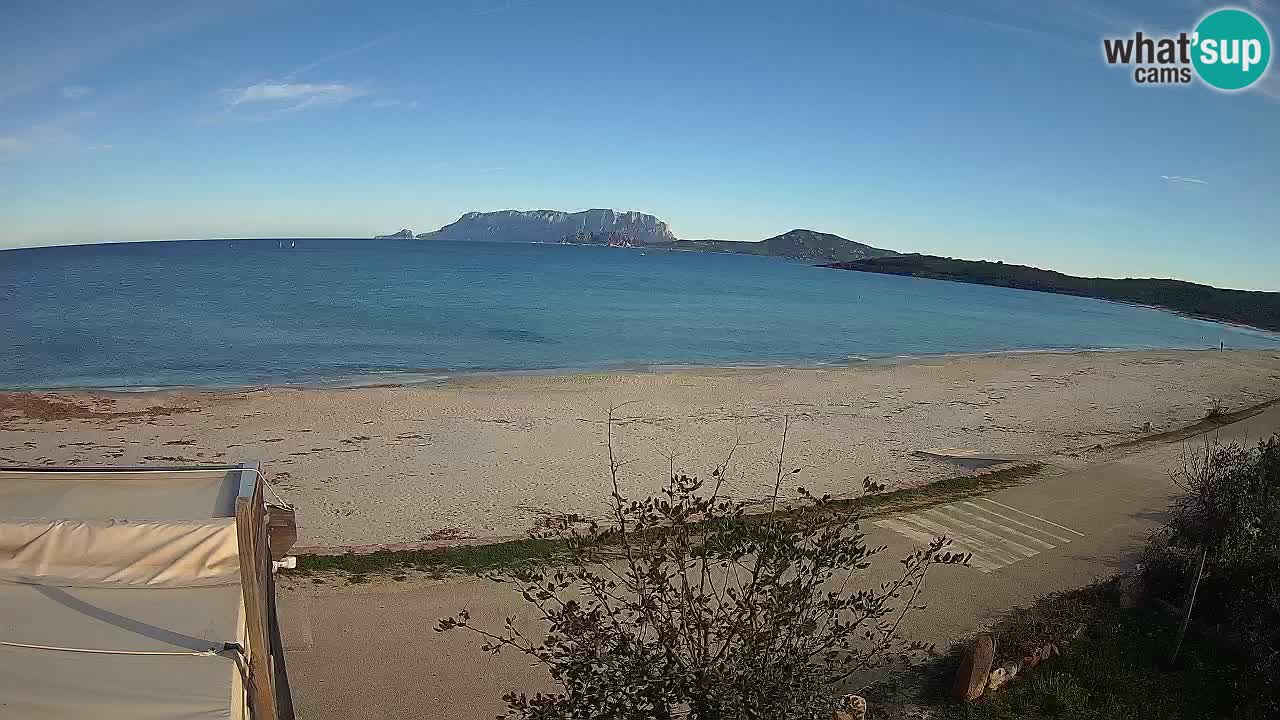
{"points": [[1232, 49]]}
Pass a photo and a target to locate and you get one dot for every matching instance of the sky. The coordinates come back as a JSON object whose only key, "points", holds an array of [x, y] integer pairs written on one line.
{"points": [[989, 129]]}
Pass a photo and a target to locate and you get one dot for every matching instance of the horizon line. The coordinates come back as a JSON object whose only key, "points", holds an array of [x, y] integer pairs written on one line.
{"points": [[517, 242]]}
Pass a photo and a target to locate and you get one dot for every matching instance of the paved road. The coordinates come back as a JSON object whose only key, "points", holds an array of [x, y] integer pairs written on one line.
{"points": [[370, 651]]}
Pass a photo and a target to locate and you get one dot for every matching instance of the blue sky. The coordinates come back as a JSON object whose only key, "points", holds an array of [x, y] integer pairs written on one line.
{"points": [[989, 129]]}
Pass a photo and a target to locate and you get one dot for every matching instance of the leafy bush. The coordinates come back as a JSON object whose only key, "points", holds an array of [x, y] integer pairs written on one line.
{"points": [[684, 604], [1230, 516]]}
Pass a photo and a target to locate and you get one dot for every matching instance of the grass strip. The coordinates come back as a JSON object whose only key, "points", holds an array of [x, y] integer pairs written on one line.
{"points": [[493, 557], [473, 559]]}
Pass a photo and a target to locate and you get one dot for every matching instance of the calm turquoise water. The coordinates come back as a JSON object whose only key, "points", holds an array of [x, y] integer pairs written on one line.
{"points": [[246, 312]]}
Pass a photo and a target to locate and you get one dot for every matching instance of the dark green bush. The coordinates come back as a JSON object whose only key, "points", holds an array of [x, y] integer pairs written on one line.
{"points": [[1231, 512]]}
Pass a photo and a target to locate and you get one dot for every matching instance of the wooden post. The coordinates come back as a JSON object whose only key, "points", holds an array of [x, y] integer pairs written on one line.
{"points": [[282, 531], [284, 695], [975, 667], [255, 583]]}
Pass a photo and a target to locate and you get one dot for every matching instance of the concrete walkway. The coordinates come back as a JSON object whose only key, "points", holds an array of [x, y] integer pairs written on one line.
{"points": [[369, 651]]}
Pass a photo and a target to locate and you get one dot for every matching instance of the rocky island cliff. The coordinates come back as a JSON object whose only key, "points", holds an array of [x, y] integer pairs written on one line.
{"points": [[636, 229]]}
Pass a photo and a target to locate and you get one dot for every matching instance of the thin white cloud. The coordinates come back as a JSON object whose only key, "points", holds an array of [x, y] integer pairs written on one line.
{"points": [[968, 17], [267, 92], [75, 92], [407, 30], [383, 103], [1269, 85], [1108, 18], [56, 45], [344, 53], [60, 132], [288, 97], [1183, 179], [1068, 25], [503, 7]]}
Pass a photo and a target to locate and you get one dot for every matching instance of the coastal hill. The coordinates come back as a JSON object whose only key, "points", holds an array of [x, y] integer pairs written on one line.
{"points": [[1259, 309], [798, 244], [405, 234], [549, 226]]}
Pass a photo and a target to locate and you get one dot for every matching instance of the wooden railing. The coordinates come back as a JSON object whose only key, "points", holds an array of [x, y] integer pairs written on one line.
{"points": [[268, 681]]}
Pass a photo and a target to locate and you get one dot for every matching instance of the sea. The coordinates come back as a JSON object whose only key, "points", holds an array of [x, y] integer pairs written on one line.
{"points": [[234, 313]]}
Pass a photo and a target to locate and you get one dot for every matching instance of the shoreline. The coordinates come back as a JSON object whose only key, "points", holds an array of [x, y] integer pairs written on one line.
{"points": [[429, 378], [481, 457]]}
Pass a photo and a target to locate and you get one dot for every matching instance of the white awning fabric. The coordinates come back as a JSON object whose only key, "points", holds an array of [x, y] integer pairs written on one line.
{"points": [[41, 684], [102, 495], [114, 589], [119, 553]]}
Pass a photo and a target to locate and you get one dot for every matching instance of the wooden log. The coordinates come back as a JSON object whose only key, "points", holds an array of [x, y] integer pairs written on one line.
{"points": [[971, 679]]}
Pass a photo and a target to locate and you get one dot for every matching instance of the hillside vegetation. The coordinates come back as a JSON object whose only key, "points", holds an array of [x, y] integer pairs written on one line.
{"points": [[796, 244], [1259, 309]]}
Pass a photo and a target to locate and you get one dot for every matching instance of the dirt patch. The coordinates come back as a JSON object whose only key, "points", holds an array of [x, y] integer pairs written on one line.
{"points": [[447, 533]]}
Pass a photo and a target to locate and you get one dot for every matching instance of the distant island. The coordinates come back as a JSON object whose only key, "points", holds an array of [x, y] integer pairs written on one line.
{"points": [[550, 226], [1258, 309], [634, 229], [405, 234]]}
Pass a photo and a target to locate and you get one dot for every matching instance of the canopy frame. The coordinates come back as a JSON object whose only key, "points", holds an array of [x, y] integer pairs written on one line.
{"points": [[264, 533]]}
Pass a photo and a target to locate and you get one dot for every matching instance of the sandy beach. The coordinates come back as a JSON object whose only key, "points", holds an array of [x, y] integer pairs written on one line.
{"points": [[489, 457]]}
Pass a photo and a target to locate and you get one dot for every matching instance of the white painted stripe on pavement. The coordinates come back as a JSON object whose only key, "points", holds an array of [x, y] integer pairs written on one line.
{"points": [[926, 538], [1035, 517], [917, 535], [993, 523], [979, 547], [1003, 543], [1016, 522]]}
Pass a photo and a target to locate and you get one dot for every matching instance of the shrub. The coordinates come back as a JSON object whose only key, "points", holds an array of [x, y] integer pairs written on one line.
{"points": [[1230, 516], [684, 604]]}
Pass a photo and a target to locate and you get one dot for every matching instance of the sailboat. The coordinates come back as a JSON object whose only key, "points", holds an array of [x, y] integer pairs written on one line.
{"points": [[292, 244]]}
